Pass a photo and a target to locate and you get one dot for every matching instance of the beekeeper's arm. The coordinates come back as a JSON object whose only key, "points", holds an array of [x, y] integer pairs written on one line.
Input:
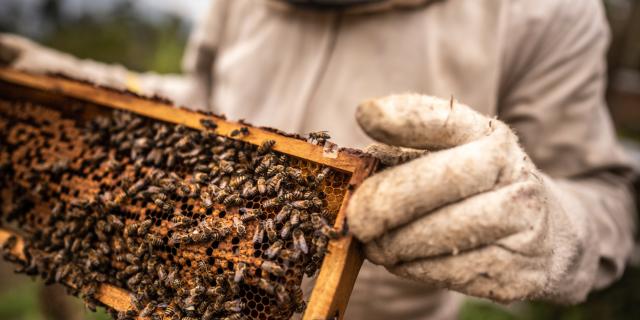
{"points": [[533, 205], [191, 88]]}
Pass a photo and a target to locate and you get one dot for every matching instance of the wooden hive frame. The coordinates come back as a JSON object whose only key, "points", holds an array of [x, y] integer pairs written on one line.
{"points": [[339, 270]]}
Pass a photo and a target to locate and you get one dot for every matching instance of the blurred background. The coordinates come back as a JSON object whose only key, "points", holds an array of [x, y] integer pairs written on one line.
{"points": [[151, 35]]}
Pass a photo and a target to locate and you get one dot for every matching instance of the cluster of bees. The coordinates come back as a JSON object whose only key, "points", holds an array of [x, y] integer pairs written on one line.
{"points": [[194, 225]]}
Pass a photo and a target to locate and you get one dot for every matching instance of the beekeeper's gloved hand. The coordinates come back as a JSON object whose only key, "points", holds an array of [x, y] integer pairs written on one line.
{"points": [[472, 214], [21, 53]]}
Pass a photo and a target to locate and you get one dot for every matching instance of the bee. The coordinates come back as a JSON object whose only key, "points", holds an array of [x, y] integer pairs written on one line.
{"points": [[226, 167], [270, 203], [320, 225], [115, 222], [236, 181], [144, 227], [299, 241], [148, 309], [273, 268], [274, 183], [294, 173], [154, 240], [234, 305], [241, 269], [283, 214], [269, 227], [239, 226], [249, 190], [131, 229], [136, 187], [286, 230], [298, 298], [295, 217], [320, 136], [262, 185], [247, 215], [171, 310], [233, 200], [180, 221], [134, 280], [322, 175], [258, 234], [242, 131], [264, 165], [201, 177], [266, 285], [289, 256], [206, 200], [266, 146], [208, 124], [282, 295], [274, 249], [273, 170], [302, 204], [234, 316], [320, 244]]}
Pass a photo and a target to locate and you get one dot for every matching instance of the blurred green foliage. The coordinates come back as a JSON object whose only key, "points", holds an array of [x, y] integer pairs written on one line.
{"points": [[121, 34]]}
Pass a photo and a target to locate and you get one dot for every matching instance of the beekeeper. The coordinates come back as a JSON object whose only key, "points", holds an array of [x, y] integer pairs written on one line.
{"points": [[518, 190]]}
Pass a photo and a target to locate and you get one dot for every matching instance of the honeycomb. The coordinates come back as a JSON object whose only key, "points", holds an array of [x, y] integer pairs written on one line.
{"points": [[194, 225]]}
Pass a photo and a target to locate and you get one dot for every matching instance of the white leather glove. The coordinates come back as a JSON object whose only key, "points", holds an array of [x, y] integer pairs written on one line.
{"points": [[23, 54], [472, 214]]}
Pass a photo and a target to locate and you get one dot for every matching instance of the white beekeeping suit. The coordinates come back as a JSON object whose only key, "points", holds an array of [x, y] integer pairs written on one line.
{"points": [[525, 198]]}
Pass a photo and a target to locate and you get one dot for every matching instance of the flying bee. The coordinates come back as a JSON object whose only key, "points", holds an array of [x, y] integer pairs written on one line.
{"points": [[266, 146], [299, 241], [258, 234], [241, 269], [270, 228], [283, 214], [266, 285], [273, 268], [208, 124], [302, 204], [239, 226], [274, 249], [262, 185], [320, 136]]}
